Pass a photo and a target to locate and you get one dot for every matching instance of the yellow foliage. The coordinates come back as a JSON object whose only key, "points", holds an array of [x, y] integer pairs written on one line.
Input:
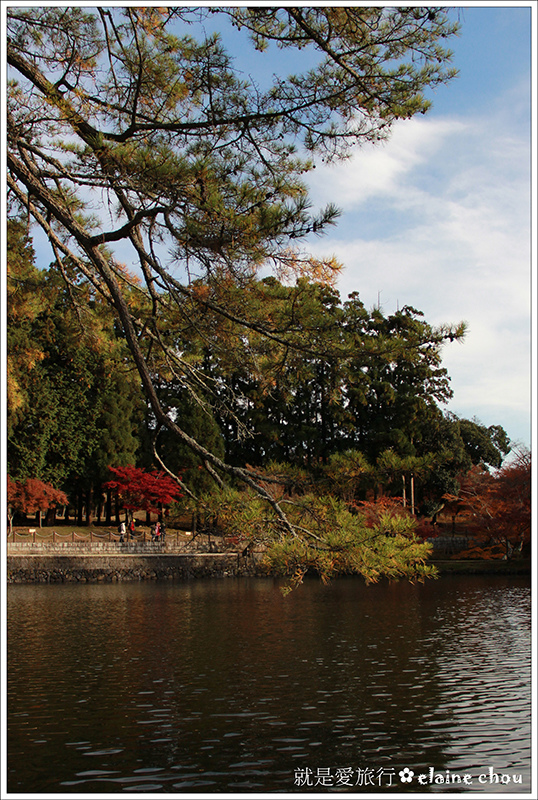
{"points": [[131, 277], [151, 19], [292, 266]]}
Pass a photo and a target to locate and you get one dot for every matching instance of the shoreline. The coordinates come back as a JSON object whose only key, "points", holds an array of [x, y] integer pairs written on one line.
{"points": [[108, 567], [482, 566], [114, 567]]}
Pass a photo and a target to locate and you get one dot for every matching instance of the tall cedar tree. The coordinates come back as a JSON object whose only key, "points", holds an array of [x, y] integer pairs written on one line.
{"points": [[74, 403]]}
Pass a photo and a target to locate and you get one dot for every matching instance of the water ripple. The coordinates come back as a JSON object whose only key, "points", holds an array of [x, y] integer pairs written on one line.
{"points": [[137, 679]]}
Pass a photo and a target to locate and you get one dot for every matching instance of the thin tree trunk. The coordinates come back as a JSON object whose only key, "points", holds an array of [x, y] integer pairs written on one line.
{"points": [[89, 509], [99, 507], [79, 507], [108, 511]]}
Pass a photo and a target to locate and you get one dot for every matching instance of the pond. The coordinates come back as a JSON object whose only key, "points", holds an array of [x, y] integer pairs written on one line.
{"points": [[226, 685]]}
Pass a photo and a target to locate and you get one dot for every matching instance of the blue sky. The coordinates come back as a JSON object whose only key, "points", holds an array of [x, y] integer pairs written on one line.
{"points": [[438, 217]]}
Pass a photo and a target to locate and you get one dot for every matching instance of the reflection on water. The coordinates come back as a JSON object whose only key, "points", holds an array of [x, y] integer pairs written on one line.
{"points": [[227, 686]]}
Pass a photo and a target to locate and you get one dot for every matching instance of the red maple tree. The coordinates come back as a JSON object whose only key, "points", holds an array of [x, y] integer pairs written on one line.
{"points": [[496, 507], [32, 496], [139, 490]]}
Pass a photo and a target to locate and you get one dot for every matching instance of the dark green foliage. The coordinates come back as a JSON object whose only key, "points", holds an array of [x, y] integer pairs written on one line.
{"points": [[344, 378], [198, 419], [486, 446], [82, 404]]}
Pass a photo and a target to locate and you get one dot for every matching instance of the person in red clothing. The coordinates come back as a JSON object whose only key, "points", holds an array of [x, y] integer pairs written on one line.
{"points": [[132, 528]]}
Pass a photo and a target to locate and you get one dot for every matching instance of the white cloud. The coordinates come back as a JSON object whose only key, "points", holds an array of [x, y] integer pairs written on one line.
{"points": [[380, 169], [439, 218]]}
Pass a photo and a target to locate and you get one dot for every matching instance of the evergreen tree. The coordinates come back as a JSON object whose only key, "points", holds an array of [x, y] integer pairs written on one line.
{"points": [[82, 403], [25, 301]]}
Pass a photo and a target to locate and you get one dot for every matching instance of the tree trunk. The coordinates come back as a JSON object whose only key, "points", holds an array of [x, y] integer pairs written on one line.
{"points": [[79, 507], [108, 511], [99, 507], [89, 509]]}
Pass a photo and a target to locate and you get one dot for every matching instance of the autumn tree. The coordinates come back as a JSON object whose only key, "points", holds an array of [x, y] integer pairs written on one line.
{"points": [[32, 496], [495, 506], [511, 500], [139, 490], [194, 169]]}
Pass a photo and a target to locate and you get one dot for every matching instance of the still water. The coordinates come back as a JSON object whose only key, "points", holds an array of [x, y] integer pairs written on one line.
{"points": [[218, 686]]}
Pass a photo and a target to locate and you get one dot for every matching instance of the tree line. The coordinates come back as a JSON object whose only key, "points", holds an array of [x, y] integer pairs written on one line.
{"points": [[349, 389]]}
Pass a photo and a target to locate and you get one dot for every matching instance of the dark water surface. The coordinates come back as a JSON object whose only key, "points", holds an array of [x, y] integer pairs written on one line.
{"points": [[227, 686]]}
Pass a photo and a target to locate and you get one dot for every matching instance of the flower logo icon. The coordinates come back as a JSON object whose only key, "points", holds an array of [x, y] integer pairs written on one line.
{"points": [[406, 775]]}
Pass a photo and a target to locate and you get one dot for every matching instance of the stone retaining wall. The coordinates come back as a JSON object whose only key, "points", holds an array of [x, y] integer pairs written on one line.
{"points": [[57, 568]]}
